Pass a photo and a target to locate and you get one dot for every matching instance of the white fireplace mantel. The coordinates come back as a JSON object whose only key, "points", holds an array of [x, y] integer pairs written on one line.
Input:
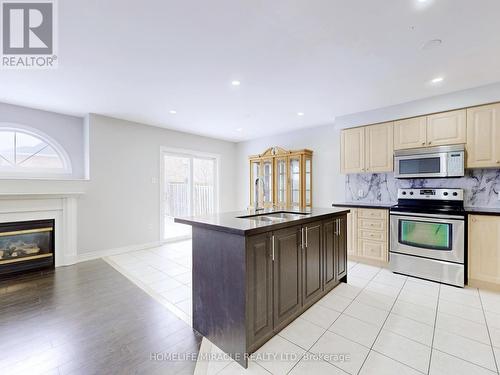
{"points": [[61, 207]]}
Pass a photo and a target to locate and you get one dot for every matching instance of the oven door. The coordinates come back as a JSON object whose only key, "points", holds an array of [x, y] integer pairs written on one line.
{"points": [[430, 236], [424, 165]]}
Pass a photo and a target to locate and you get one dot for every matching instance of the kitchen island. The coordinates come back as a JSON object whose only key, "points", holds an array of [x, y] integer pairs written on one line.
{"points": [[255, 272]]}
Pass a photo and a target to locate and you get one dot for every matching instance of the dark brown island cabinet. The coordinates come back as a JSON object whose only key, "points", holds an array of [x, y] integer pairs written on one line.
{"points": [[252, 277]]}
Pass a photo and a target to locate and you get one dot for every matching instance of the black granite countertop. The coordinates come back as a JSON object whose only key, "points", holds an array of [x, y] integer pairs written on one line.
{"points": [[363, 205], [483, 210], [232, 222]]}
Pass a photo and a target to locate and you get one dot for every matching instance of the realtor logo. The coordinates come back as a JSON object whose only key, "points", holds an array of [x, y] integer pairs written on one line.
{"points": [[28, 34]]}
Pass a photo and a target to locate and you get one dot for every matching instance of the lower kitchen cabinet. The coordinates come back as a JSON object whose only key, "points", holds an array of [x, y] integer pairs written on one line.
{"points": [[367, 235], [260, 288], [329, 243], [290, 269], [252, 275], [341, 248], [287, 275], [484, 250], [312, 262]]}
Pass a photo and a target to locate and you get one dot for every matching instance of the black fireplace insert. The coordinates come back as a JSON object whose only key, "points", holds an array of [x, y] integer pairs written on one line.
{"points": [[26, 246]]}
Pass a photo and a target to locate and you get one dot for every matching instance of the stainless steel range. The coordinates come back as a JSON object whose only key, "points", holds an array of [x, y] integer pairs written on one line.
{"points": [[427, 231]]}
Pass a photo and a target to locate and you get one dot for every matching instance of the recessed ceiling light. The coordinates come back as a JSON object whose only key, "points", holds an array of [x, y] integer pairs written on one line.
{"points": [[422, 1], [438, 80], [300, 113], [172, 112], [432, 44], [239, 129], [235, 83]]}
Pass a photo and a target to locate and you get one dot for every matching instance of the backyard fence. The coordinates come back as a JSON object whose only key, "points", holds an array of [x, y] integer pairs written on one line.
{"points": [[178, 200]]}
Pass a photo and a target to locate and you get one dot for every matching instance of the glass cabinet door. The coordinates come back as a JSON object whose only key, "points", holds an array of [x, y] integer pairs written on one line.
{"points": [[254, 174], [281, 182], [267, 176], [295, 188], [308, 182]]}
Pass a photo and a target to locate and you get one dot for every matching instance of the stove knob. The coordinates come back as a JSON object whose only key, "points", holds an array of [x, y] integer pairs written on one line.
{"points": [[455, 194], [445, 193], [411, 192], [404, 192]]}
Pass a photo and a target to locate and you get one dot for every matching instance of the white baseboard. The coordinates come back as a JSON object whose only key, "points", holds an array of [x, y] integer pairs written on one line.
{"points": [[119, 250]]}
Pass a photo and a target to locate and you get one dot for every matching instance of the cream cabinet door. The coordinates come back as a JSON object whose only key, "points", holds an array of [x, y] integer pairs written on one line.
{"points": [[379, 152], [352, 145], [410, 133], [373, 250], [484, 248], [447, 128], [483, 136], [352, 231]]}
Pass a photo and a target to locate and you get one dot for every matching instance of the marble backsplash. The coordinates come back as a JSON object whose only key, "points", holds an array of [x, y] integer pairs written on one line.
{"points": [[481, 187]]}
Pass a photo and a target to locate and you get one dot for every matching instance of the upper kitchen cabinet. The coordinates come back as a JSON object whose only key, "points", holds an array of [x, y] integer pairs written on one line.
{"points": [[352, 157], [410, 133], [447, 128], [379, 150], [286, 178], [367, 149], [483, 136]]}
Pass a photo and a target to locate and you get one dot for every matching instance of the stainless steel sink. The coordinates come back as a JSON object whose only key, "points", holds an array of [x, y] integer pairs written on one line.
{"points": [[288, 215], [275, 216], [263, 218]]}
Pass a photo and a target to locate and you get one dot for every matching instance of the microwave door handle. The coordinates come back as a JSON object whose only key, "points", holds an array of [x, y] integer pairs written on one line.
{"points": [[444, 165]]}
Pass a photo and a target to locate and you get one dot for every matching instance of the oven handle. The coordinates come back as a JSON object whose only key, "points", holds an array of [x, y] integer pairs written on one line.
{"points": [[432, 217]]}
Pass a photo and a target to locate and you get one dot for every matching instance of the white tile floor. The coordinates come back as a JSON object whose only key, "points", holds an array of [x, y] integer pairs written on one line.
{"points": [[164, 272], [378, 323]]}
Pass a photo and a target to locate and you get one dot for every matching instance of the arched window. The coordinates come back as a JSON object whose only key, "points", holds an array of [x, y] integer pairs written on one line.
{"points": [[25, 152]]}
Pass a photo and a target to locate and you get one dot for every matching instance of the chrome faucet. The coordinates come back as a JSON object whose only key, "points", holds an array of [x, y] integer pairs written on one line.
{"points": [[257, 193]]}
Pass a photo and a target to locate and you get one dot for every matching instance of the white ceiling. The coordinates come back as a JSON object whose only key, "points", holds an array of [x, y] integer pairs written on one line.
{"points": [[138, 60]]}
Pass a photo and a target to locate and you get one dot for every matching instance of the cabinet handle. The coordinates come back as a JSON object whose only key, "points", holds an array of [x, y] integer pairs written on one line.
{"points": [[430, 142], [306, 238], [423, 143], [272, 246], [302, 238], [498, 161]]}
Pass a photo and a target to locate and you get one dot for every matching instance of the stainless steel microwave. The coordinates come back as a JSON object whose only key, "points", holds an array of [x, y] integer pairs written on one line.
{"points": [[440, 161]]}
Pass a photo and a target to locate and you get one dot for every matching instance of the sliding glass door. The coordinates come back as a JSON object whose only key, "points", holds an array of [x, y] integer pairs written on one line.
{"points": [[189, 187]]}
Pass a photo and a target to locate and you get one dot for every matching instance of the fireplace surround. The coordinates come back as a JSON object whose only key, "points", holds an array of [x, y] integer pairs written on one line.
{"points": [[59, 207]]}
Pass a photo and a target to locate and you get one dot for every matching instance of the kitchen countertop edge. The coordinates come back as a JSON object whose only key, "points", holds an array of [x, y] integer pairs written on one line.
{"points": [[239, 228], [381, 206], [482, 211]]}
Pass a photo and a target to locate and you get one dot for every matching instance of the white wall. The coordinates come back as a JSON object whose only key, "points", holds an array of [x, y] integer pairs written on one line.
{"points": [[454, 100], [328, 183], [68, 131], [121, 206], [323, 140]]}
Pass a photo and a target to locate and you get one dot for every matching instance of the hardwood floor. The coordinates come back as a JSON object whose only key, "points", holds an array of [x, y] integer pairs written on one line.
{"points": [[88, 319]]}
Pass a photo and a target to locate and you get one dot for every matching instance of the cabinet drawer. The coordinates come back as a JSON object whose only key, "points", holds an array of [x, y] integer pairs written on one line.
{"points": [[372, 235], [368, 213], [371, 224], [373, 249]]}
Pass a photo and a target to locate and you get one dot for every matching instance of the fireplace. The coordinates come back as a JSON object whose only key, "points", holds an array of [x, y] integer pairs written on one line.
{"points": [[26, 245]]}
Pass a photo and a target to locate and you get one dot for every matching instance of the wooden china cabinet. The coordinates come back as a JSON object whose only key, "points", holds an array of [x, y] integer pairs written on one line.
{"points": [[286, 178]]}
